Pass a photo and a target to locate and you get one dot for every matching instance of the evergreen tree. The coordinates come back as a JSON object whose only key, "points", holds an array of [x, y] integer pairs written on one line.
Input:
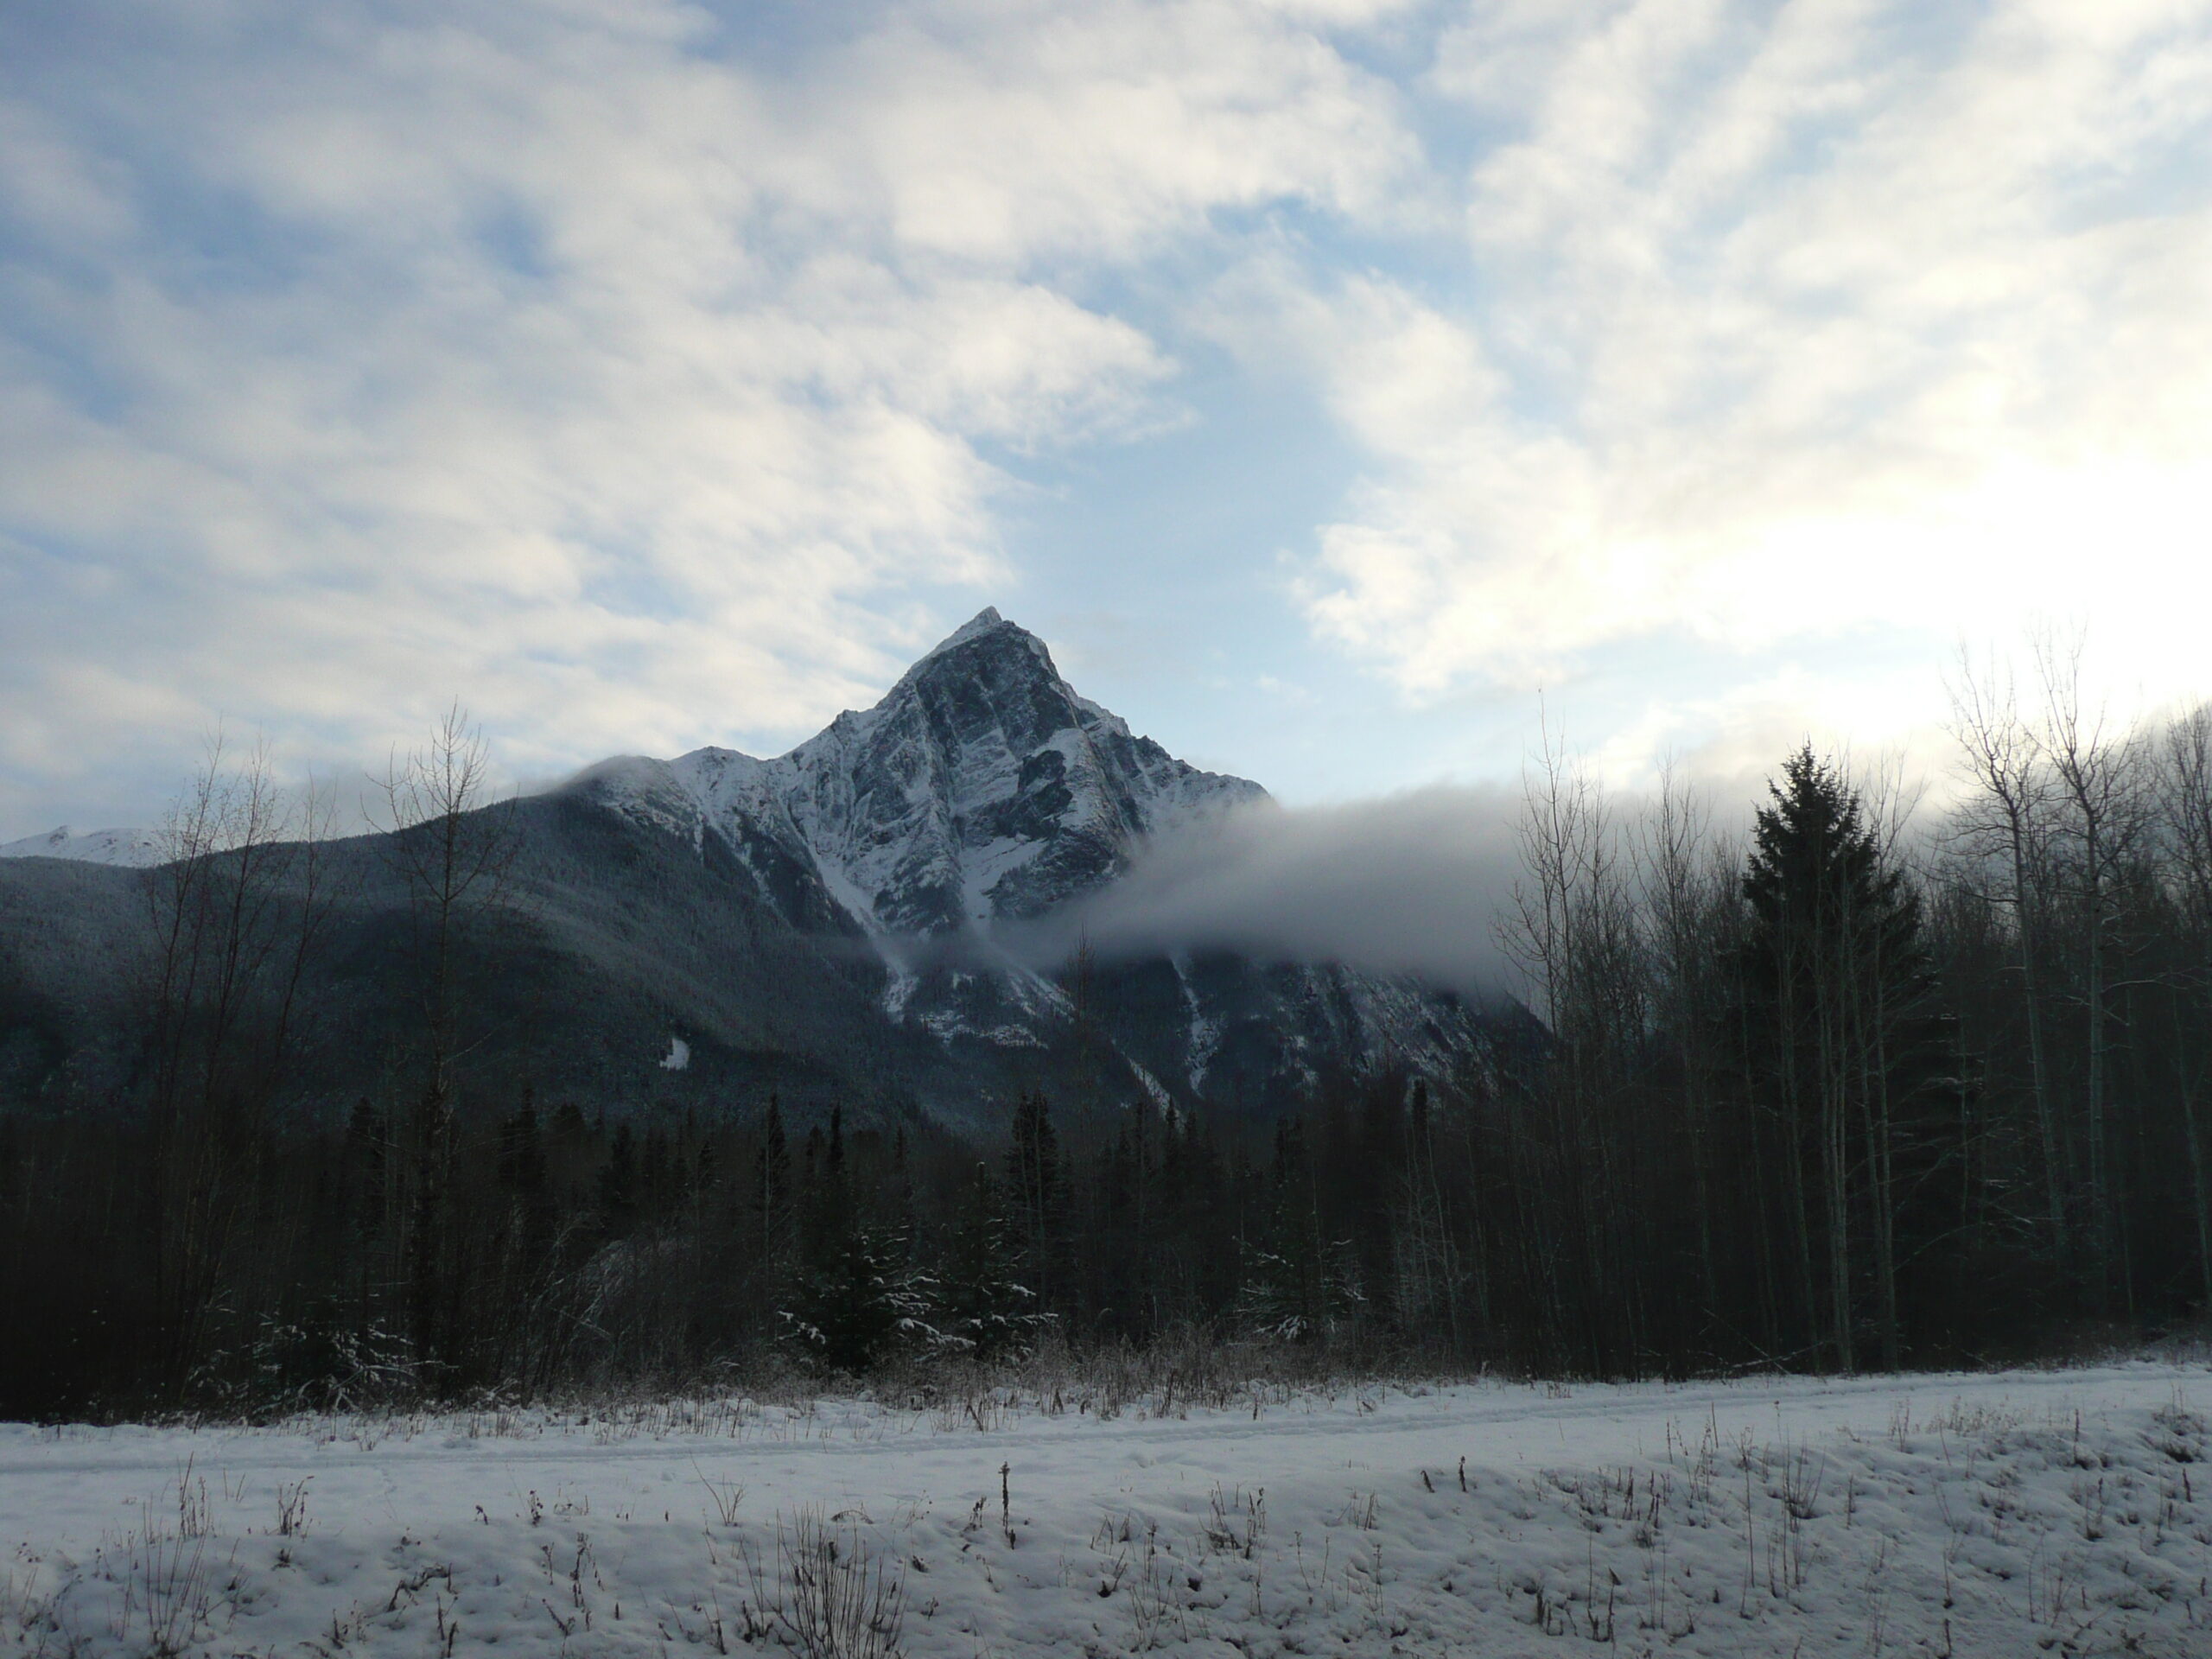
{"points": [[771, 1183], [659, 1176], [618, 1185], [429, 1278], [846, 1314], [1840, 1044], [983, 1308], [521, 1171], [1036, 1198], [367, 1159], [857, 1293], [521, 1166], [829, 1217], [1293, 1286]]}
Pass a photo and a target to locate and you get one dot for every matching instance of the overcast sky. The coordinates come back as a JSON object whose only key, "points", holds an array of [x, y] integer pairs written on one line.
{"points": [[1323, 379]]}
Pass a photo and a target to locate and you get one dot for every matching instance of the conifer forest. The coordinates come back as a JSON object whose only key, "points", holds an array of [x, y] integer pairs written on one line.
{"points": [[1840, 1085]]}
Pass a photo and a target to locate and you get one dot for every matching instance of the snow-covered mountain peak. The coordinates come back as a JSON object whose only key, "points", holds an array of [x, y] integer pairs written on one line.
{"points": [[980, 788], [985, 647], [984, 621]]}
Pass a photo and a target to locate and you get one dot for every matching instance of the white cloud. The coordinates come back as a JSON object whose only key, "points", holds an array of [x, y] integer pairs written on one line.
{"points": [[560, 356], [1788, 323], [647, 380], [1406, 883]]}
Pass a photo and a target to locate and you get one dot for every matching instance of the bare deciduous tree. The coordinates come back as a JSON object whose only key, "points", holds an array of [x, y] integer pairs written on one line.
{"points": [[1685, 889], [2098, 778], [2010, 815], [453, 849], [236, 901], [1573, 929]]}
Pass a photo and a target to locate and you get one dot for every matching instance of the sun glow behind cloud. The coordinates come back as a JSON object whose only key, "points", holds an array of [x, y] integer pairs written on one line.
{"points": [[651, 374], [1796, 321]]}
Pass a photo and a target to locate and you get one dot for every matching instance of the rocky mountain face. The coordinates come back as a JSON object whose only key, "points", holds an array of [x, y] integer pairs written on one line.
{"points": [[856, 919], [984, 791], [981, 791]]}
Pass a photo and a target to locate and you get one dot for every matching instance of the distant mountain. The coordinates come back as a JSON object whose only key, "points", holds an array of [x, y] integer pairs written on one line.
{"points": [[133, 848], [834, 923], [982, 790]]}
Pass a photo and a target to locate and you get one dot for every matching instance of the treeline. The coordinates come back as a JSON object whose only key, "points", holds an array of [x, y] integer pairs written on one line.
{"points": [[1854, 1090], [1842, 1091], [536, 1251]]}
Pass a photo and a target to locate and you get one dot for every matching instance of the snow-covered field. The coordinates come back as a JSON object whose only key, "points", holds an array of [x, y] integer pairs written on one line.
{"points": [[2003, 1514]]}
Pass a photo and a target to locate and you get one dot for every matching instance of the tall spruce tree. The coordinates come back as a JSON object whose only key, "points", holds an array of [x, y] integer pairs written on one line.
{"points": [[857, 1294], [983, 1307], [1036, 1199], [773, 1220], [1841, 1047], [618, 1185]]}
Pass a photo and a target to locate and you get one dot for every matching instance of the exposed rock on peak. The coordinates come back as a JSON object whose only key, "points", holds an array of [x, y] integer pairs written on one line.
{"points": [[985, 622], [983, 789]]}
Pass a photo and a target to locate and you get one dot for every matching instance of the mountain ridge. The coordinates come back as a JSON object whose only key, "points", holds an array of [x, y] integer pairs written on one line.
{"points": [[892, 862], [133, 848]]}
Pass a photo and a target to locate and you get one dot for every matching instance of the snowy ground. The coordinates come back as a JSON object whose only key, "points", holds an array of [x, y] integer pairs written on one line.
{"points": [[2004, 1514]]}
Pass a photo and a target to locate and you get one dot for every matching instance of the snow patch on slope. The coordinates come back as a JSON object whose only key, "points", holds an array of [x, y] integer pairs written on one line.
{"points": [[981, 790], [1205, 1033]]}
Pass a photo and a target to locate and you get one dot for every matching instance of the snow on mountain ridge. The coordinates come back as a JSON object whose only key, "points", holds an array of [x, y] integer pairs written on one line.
{"points": [[984, 621], [131, 848], [980, 789]]}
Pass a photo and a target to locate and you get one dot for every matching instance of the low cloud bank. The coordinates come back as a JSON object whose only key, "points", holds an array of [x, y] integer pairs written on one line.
{"points": [[1412, 883]]}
